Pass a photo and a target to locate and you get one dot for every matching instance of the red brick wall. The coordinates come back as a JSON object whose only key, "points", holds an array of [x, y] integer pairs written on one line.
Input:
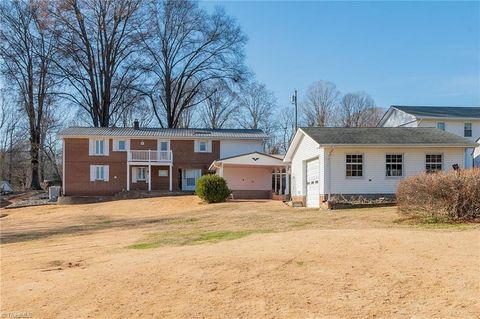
{"points": [[77, 166], [77, 170], [184, 157]]}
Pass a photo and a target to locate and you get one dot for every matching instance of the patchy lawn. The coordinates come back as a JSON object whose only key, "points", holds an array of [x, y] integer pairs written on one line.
{"points": [[178, 258]]}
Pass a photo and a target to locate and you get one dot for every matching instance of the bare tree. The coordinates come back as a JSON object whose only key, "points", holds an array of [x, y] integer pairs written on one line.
{"points": [[358, 109], [320, 103], [27, 48], [100, 54], [190, 48], [256, 104], [219, 108], [286, 129]]}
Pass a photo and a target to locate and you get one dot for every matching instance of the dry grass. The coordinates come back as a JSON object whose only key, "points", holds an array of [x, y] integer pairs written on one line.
{"points": [[239, 259]]}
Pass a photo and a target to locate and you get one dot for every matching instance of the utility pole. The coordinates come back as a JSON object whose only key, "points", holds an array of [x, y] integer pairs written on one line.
{"points": [[294, 101]]}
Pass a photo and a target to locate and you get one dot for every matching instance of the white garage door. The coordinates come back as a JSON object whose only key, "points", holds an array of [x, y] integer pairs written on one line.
{"points": [[313, 175]]}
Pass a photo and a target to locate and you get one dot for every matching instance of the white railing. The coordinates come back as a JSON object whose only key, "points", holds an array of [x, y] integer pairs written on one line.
{"points": [[150, 156]]}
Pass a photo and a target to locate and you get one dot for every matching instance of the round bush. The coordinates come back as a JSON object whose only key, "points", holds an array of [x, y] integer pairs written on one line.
{"points": [[212, 189]]}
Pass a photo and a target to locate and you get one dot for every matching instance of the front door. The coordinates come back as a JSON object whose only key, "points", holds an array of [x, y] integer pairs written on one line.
{"points": [[189, 178]]}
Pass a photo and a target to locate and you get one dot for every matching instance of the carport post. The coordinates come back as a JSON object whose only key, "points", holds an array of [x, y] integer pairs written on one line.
{"points": [[281, 181], [275, 188]]}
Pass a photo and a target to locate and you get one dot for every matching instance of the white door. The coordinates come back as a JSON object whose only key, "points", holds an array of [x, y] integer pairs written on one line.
{"points": [[189, 178], [313, 190]]}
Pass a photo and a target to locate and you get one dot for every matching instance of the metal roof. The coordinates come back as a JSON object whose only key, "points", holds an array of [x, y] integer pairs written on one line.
{"points": [[385, 136], [440, 111], [163, 132]]}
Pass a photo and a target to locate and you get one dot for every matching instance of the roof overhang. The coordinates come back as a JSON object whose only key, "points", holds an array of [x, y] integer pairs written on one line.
{"points": [[252, 159]]}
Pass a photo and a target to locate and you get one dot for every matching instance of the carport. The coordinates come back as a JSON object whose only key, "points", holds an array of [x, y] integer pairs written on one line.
{"points": [[255, 175]]}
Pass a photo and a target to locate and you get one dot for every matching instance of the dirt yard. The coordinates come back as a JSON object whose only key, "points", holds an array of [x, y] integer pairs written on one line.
{"points": [[179, 258]]}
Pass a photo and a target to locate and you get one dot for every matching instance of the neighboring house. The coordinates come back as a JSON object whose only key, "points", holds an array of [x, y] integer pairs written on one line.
{"points": [[462, 121], [105, 161], [250, 175], [370, 162]]}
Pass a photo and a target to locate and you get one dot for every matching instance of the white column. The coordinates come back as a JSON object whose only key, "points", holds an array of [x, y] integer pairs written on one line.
{"points": [[149, 176], [128, 177], [275, 189], [287, 182], [170, 175], [281, 181]]}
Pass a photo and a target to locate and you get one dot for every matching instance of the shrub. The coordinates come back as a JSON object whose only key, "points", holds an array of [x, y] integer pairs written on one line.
{"points": [[454, 195], [212, 189]]}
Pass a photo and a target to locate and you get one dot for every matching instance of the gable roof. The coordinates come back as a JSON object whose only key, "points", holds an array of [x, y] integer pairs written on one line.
{"points": [[261, 159], [378, 136], [163, 132], [440, 111], [384, 136]]}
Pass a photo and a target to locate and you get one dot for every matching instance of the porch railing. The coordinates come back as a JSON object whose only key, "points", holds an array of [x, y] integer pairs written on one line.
{"points": [[150, 156]]}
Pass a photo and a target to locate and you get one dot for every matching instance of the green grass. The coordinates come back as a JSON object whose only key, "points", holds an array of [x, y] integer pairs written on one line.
{"points": [[434, 222], [192, 238]]}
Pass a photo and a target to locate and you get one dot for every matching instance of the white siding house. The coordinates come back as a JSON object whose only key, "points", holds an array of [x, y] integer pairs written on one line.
{"points": [[461, 121], [328, 162]]}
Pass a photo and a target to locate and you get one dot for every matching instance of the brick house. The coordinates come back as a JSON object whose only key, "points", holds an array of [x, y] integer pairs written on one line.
{"points": [[106, 161]]}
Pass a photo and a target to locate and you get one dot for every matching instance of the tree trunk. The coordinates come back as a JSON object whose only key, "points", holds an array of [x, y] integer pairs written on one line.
{"points": [[34, 160]]}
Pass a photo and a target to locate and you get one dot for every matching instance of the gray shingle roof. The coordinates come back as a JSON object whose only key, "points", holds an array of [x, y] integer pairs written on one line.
{"points": [[164, 132], [441, 111], [385, 136]]}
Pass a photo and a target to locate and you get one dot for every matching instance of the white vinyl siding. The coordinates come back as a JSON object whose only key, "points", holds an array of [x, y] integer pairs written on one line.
{"points": [[202, 146], [307, 149], [229, 148], [374, 180], [99, 173], [98, 147]]}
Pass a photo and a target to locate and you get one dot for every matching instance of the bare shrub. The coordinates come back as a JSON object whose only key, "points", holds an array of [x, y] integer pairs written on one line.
{"points": [[454, 195]]}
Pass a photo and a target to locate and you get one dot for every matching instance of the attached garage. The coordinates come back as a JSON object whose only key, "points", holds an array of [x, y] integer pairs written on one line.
{"points": [[313, 185]]}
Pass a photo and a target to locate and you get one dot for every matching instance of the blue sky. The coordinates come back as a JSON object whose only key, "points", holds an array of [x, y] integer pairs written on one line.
{"points": [[405, 53]]}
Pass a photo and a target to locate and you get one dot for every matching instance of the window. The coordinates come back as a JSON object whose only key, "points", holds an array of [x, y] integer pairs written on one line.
{"points": [[467, 130], [433, 163], [141, 173], [394, 165], [354, 165], [122, 145], [99, 147], [162, 172], [441, 126], [202, 146], [163, 146], [99, 173]]}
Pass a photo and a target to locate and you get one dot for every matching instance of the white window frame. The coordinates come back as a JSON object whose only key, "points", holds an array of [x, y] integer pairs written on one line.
{"points": [[441, 126], [163, 172], [99, 173], [202, 143], [465, 130], [394, 163], [361, 163], [159, 145], [99, 147], [141, 178], [433, 163]]}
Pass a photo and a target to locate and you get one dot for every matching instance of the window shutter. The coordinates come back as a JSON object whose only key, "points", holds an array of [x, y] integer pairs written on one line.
{"points": [[91, 146], [106, 149], [209, 146], [92, 173], [127, 145], [195, 146], [134, 174], [115, 145], [106, 173]]}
